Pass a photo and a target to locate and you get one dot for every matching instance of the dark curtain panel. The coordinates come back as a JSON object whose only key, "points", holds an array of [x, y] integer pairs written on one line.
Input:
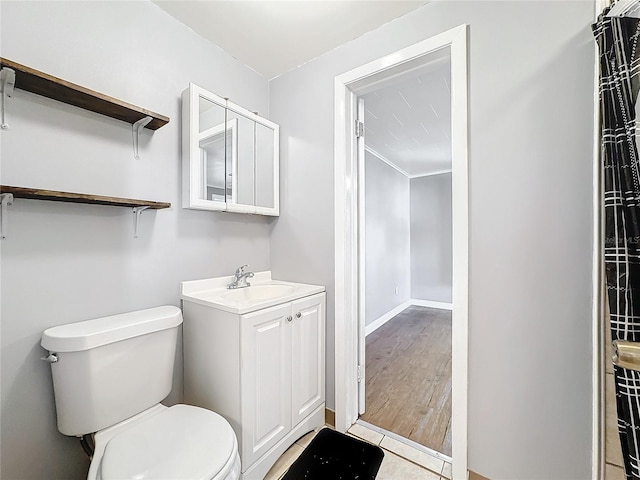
{"points": [[617, 39]]}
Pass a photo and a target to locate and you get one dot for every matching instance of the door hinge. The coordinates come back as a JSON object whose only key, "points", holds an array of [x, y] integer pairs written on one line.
{"points": [[360, 373], [359, 129]]}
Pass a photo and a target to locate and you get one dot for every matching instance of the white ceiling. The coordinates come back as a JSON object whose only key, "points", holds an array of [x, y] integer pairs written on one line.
{"points": [[408, 122], [273, 37]]}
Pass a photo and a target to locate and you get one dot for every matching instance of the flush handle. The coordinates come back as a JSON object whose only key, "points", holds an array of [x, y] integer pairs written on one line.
{"points": [[51, 358]]}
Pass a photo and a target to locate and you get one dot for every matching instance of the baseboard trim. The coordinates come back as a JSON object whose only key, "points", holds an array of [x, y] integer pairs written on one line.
{"points": [[329, 417], [382, 319], [476, 476], [432, 304]]}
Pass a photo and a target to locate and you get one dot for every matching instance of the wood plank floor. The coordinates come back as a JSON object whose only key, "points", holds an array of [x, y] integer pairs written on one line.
{"points": [[408, 377]]}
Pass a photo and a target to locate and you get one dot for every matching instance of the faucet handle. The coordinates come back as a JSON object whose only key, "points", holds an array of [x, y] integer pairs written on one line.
{"points": [[240, 270]]}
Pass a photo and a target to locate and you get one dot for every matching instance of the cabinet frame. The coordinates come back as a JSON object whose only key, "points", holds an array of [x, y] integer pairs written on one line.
{"points": [[191, 184]]}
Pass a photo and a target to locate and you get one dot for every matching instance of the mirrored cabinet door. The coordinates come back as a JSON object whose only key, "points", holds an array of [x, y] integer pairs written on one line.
{"points": [[242, 157], [230, 156], [213, 143], [266, 178]]}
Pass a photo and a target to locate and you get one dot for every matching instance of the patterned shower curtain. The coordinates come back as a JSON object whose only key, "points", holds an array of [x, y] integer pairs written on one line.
{"points": [[617, 39]]}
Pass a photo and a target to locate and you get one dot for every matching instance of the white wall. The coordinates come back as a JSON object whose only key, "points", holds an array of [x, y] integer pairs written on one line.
{"points": [[531, 115], [431, 240], [63, 262], [387, 237]]}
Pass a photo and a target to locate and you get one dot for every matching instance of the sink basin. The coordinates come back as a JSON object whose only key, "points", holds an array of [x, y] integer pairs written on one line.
{"points": [[257, 292], [263, 292]]}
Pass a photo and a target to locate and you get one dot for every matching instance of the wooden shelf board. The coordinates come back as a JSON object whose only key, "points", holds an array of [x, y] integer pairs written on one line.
{"points": [[47, 85], [56, 196]]}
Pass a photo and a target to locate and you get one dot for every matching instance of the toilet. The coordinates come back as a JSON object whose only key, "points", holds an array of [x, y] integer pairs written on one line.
{"points": [[109, 376]]}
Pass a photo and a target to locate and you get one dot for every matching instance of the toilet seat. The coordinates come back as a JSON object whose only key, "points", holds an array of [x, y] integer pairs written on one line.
{"points": [[180, 442]]}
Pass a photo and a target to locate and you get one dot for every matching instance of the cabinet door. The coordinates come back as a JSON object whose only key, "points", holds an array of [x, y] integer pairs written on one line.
{"points": [[307, 376], [266, 380]]}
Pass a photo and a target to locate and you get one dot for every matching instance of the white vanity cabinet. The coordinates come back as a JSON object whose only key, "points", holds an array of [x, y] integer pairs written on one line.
{"points": [[283, 371], [262, 370]]}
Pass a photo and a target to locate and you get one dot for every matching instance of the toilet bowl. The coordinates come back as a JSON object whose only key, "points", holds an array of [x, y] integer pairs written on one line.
{"points": [[178, 442], [109, 375]]}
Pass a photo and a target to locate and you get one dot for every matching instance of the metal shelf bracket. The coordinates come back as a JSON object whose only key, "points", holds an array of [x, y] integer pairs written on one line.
{"points": [[7, 84], [6, 199], [137, 211], [136, 130]]}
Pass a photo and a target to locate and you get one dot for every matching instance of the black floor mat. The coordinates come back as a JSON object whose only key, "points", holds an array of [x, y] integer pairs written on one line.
{"points": [[335, 456]]}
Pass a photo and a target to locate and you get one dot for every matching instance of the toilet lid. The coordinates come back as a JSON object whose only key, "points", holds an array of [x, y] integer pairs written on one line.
{"points": [[182, 442]]}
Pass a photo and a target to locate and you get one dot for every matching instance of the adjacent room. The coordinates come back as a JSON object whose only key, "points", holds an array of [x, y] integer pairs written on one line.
{"points": [[408, 254]]}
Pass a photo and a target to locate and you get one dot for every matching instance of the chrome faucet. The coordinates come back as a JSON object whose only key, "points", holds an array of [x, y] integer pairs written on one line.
{"points": [[240, 280]]}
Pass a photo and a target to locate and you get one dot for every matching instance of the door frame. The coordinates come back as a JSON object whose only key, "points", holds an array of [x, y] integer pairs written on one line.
{"points": [[346, 194], [598, 327]]}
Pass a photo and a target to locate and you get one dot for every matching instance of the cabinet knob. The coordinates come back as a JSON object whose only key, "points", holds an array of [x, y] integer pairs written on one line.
{"points": [[289, 318], [298, 315]]}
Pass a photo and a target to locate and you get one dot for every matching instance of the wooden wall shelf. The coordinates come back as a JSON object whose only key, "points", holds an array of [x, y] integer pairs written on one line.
{"points": [[47, 85], [56, 196]]}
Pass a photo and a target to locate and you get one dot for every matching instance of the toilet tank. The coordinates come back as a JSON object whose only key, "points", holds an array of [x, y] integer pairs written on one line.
{"points": [[111, 368]]}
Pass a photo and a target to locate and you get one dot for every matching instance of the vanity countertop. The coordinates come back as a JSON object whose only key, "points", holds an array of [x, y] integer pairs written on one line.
{"points": [[264, 292]]}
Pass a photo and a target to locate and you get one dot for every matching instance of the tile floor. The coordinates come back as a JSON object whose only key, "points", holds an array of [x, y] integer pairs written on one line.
{"points": [[400, 461]]}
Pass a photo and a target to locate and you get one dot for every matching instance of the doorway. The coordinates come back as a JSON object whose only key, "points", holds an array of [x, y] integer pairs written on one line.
{"points": [[349, 330], [405, 256]]}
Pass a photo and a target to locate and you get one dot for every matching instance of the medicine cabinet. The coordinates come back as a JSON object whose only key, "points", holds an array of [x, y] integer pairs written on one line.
{"points": [[230, 156]]}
